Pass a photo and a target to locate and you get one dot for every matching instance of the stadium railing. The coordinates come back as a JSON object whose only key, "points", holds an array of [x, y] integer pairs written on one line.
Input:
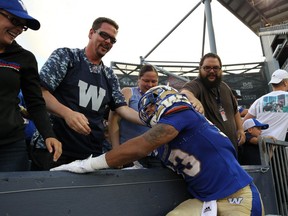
{"points": [[274, 155]]}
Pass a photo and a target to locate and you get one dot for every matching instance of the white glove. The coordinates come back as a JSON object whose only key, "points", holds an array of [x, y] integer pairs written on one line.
{"points": [[77, 166]]}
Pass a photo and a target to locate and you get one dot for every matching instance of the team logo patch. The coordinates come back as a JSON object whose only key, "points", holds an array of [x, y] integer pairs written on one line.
{"points": [[235, 200], [207, 209]]}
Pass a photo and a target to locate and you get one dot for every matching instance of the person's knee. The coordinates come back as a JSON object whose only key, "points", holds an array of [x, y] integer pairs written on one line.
{"points": [[191, 207], [174, 213]]}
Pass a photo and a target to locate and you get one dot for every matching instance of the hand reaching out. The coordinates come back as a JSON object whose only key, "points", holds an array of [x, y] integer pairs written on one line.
{"points": [[197, 105], [77, 166], [194, 101], [78, 122]]}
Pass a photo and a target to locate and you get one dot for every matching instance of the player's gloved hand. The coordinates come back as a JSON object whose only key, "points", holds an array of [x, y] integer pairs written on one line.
{"points": [[77, 166]]}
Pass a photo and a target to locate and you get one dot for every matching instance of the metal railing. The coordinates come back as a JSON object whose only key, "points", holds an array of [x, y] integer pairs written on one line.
{"points": [[275, 155]]}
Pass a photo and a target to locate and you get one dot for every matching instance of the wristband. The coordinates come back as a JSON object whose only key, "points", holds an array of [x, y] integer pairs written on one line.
{"points": [[99, 162]]}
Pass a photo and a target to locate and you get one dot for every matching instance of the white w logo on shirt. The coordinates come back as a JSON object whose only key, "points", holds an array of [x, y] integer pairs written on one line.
{"points": [[86, 94], [236, 200]]}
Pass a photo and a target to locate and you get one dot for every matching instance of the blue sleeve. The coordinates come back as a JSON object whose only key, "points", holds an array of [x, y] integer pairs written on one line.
{"points": [[55, 68]]}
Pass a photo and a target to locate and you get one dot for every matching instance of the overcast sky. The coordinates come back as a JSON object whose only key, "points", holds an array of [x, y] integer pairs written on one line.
{"points": [[142, 25]]}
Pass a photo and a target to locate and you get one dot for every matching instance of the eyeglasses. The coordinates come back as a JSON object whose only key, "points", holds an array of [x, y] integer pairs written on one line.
{"points": [[15, 21], [208, 68], [106, 36], [148, 81]]}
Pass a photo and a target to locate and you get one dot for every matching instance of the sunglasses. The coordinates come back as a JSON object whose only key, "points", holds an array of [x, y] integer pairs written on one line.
{"points": [[208, 68], [106, 36], [16, 22]]}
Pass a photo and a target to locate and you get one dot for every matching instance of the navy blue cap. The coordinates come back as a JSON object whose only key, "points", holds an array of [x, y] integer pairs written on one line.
{"points": [[18, 9]]}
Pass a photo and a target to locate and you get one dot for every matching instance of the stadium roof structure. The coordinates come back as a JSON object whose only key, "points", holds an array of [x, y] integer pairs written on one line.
{"points": [[256, 14], [251, 78]]}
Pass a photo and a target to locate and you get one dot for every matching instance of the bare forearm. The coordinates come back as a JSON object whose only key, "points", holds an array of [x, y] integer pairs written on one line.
{"points": [[53, 105], [113, 128], [127, 152], [238, 121], [240, 131], [141, 146], [129, 114]]}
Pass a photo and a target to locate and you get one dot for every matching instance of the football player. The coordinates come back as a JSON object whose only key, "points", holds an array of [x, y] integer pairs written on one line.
{"points": [[190, 145]]}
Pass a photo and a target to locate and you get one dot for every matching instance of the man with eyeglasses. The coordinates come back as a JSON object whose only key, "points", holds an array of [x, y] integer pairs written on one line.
{"points": [[77, 87], [19, 71], [216, 97]]}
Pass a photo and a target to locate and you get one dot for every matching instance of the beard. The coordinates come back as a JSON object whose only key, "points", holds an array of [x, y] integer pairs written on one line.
{"points": [[210, 84]]}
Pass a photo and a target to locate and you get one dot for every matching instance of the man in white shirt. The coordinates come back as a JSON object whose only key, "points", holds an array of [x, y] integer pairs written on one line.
{"points": [[272, 108]]}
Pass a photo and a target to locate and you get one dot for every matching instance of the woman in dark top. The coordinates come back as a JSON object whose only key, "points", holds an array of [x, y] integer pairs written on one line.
{"points": [[18, 70]]}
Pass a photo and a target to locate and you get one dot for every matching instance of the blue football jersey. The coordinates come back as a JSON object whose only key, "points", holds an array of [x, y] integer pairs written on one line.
{"points": [[203, 155]]}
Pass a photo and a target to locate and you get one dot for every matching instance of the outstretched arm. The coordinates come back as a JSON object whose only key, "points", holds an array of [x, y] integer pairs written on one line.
{"points": [[129, 151], [129, 114], [141, 146], [113, 128], [240, 131], [114, 120]]}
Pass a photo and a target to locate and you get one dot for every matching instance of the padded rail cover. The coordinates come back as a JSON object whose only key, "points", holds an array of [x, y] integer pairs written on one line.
{"points": [[148, 192]]}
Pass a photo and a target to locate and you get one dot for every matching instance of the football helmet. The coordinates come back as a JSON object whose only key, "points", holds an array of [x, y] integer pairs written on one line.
{"points": [[163, 97]]}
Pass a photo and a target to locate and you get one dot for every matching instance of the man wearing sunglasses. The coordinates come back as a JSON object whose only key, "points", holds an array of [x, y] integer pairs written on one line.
{"points": [[19, 71], [78, 87], [217, 98]]}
